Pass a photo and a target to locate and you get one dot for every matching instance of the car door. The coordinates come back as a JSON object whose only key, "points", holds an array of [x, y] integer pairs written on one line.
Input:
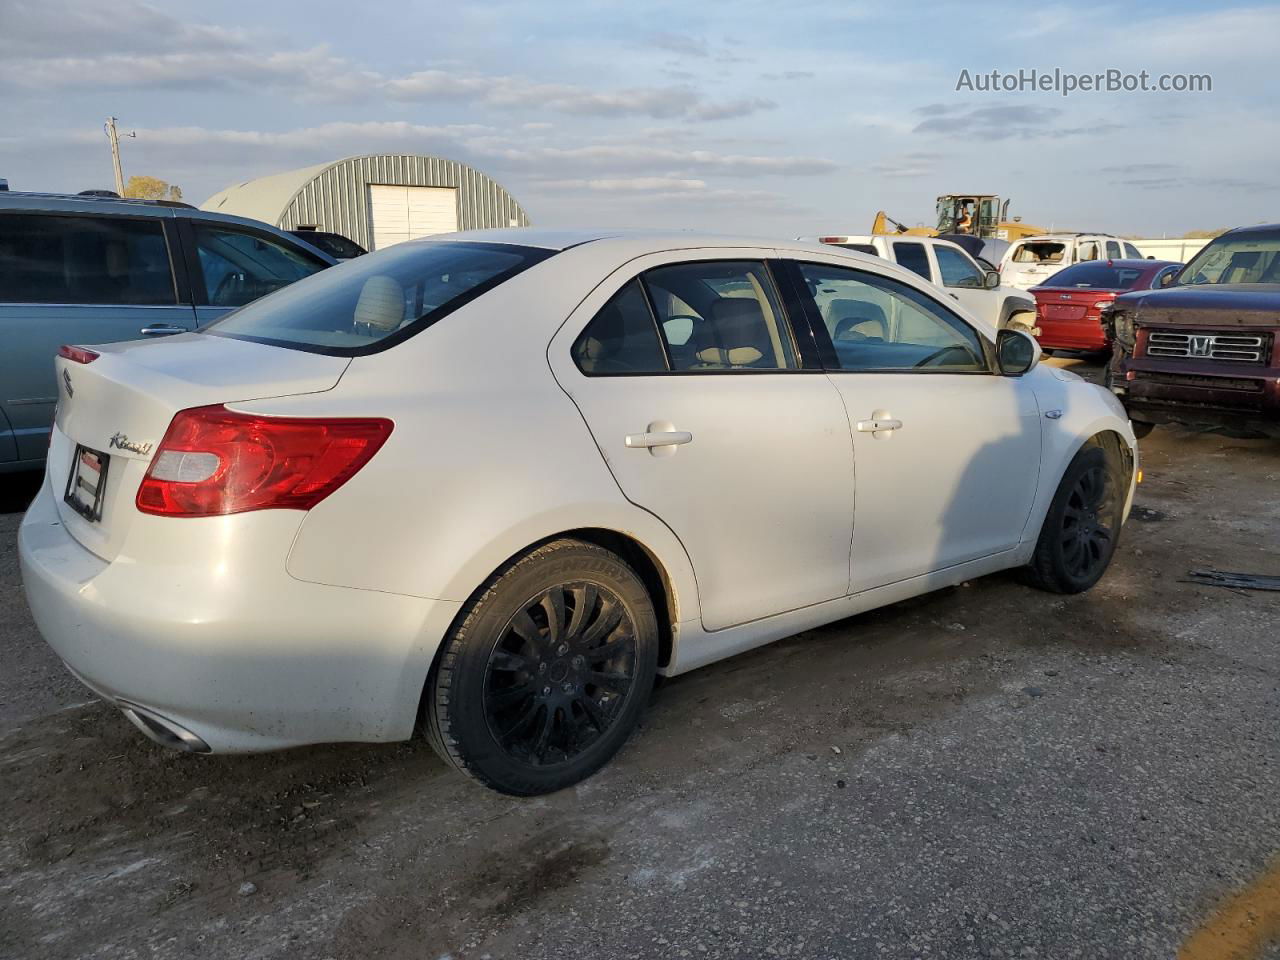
{"points": [[964, 280], [685, 368], [80, 279], [946, 452], [231, 264]]}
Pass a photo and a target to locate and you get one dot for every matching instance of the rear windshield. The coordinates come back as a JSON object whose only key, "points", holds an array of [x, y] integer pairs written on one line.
{"points": [[1039, 252], [1096, 275], [860, 247], [1252, 256], [368, 304]]}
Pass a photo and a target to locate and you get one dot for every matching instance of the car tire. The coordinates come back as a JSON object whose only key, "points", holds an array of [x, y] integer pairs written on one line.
{"points": [[548, 672], [1082, 527]]}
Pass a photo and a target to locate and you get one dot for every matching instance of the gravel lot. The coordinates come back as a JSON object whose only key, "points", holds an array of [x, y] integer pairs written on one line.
{"points": [[987, 771]]}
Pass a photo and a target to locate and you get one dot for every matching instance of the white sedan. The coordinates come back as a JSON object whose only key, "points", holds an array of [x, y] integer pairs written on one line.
{"points": [[497, 481]]}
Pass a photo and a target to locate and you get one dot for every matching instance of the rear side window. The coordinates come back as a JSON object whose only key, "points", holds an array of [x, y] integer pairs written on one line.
{"points": [[1132, 252], [106, 261], [913, 257], [1113, 250], [240, 267], [621, 338], [368, 304], [717, 315], [1096, 275], [702, 317]]}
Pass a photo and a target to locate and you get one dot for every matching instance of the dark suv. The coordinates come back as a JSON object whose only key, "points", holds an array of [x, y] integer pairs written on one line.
{"points": [[95, 270], [1204, 349]]}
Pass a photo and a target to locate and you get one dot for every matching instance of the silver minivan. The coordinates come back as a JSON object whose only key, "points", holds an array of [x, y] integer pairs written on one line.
{"points": [[96, 270]]}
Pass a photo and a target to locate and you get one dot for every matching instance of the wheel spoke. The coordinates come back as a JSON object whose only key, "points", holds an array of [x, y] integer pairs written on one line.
{"points": [[520, 721], [617, 682], [553, 604], [609, 648], [505, 660], [509, 696], [593, 712], [524, 626], [541, 741], [610, 616], [584, 602]]}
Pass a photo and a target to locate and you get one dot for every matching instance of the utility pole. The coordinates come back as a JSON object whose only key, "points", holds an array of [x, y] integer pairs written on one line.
{"points": [[114, 136]]}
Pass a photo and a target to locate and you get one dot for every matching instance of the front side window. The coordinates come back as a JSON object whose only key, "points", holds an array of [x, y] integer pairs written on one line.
{"points": [[370, 303], [1132, 252], [103, 261], [913, 257], [956, 269], [878, 324], [241, 267]]}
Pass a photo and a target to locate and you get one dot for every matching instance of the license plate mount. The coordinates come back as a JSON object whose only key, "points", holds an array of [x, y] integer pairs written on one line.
{"points": [[87, 484]]}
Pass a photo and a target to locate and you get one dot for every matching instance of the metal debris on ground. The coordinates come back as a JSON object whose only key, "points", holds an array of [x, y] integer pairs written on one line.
{"points": [[1241, 581]]}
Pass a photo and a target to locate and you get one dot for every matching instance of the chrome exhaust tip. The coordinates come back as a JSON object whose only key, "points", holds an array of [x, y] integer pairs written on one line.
{"points": [[161, 729]]}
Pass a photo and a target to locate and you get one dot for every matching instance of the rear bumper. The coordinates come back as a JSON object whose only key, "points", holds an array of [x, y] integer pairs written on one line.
{"points": [[1079, 335], [225, 651]]}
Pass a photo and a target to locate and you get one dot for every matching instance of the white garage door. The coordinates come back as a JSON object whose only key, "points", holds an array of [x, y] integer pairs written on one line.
{"points": [[403, 213]]}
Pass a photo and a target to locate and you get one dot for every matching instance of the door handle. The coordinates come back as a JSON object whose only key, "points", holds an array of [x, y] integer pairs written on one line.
{"points": [[880, 426], [161, 329], [665, 438], [954, 296], [660, 438]]}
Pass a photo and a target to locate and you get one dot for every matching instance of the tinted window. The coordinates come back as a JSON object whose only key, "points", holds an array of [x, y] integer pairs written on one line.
{"points": [[622, 337], [876, 323], [1096, 275], [716, 315], [240, 267], [1132, 252], [956, 269], [1113, 250], [860, 247], [913, 257], [90, 260], [351, 308], [334, 244]]}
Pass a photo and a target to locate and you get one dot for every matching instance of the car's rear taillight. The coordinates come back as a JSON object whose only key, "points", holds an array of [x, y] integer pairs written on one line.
{"points": [[215, 461], [77, 354]]}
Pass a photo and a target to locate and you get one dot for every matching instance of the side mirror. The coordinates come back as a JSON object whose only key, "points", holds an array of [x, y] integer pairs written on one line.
{"points": [[1167, 279], [1016, 352], [991, 280]]}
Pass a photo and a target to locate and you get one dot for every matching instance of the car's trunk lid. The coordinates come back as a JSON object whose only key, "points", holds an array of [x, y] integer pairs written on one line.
{"points": [[120, 405], [1071, 303]]}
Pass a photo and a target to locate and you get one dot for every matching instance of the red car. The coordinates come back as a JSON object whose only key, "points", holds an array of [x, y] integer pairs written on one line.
{"points": [[1069, 304]]}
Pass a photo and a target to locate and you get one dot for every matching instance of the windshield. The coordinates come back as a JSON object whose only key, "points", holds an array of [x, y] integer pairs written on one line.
{"points": [[1246, 257], [1097, 275], [368, 304]]}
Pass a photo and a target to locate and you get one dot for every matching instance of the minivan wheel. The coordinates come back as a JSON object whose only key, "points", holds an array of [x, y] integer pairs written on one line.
{"points": [[548, 673], [1082, 526]]}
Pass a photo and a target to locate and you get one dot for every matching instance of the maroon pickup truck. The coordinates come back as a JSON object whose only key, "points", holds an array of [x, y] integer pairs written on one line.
{"points": [[1204, 349]]}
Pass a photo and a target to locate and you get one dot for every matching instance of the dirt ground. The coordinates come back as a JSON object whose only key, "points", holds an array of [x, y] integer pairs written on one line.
{"points": [[987, 771]]}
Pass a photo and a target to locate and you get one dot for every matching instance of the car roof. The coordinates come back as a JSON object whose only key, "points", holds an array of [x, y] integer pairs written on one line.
{"points": [[1255, 228], [547, 239], [1060, 237], [128, 206]]}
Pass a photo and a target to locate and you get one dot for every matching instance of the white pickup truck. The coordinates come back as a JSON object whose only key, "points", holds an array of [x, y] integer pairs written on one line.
{"points": [[946, 265]]}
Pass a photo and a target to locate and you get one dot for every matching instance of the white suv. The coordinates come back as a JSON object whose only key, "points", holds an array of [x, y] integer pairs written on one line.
{"points": [[947, 265], [1033, 260]]}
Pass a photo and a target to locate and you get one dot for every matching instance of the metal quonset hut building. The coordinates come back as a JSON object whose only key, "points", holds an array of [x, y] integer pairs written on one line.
{"points": [[376, 200]]}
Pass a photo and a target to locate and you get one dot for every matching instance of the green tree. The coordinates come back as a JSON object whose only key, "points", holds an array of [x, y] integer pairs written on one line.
{"points": [[151, 188]]}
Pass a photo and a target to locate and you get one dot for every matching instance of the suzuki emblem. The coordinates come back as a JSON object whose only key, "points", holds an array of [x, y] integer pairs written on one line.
{"points": [[1200, 346]]}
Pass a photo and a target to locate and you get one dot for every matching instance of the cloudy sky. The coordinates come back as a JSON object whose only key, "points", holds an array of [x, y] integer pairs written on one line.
{"points": [[785, 118]]}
